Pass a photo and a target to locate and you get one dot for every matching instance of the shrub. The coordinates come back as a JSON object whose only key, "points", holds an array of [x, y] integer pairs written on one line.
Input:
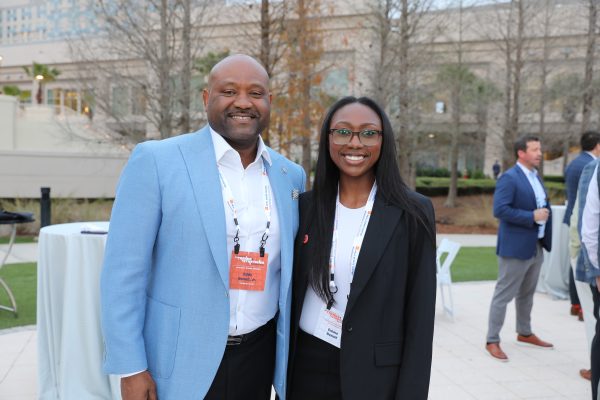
{"points": [[62, 211], [554, 178], [433, 172]]}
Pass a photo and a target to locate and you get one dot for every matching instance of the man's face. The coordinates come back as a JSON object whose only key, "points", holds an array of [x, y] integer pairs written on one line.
{"points": [[238, 101], [532, 156]]}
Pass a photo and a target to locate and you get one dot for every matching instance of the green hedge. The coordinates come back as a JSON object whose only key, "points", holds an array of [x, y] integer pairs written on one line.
{"points": [[436, 186], [554, 178]]}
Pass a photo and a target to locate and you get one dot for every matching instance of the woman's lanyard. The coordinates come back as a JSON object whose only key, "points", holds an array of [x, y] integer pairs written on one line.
{"points": [[356, 243], [231, 203]]}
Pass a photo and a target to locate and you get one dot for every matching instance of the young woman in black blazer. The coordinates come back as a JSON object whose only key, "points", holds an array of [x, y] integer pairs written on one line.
{"points": [[364, 271]]}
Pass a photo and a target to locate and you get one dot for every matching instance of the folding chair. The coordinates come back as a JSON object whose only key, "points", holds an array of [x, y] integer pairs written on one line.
{"points": [[444, 278]]}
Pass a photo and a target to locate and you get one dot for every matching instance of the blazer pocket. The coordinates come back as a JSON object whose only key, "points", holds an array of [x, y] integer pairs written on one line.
{"points": [[161, 333], [388, 354]]}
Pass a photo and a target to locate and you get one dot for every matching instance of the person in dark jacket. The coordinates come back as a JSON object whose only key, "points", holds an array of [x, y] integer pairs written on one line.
{"points": [[590, 150], [364, 280]]}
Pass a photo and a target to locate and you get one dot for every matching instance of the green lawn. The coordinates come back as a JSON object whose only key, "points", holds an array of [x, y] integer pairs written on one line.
{"points": [[475, 264], [22, 279], [18, 239]]}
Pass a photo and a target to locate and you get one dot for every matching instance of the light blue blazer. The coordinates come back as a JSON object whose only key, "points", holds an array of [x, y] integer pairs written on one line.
{"points": [[165, 279]]}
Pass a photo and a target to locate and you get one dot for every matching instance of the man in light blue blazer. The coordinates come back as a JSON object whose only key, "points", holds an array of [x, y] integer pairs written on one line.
{"points": [[522, 208], [196, 217]]}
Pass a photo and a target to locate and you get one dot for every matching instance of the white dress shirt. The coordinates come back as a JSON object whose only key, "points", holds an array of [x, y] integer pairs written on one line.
{"points": [[248, 309], [591, 219], [349, 220], [540, 194]]}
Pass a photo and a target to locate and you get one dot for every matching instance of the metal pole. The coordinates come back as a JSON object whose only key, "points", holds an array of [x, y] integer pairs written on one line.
{"points": [[45, 215]]}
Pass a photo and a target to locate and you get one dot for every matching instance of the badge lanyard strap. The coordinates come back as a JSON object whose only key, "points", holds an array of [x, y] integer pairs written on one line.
{"points": [[231, 203], [356, 243]]}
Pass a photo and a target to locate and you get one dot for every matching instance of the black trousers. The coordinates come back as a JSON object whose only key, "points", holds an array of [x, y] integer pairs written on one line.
{"points": [[316, 370], [572, 289], [595, 357], [246, 370]]}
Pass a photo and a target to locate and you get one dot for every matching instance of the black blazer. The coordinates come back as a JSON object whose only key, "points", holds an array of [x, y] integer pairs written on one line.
{"points": [[386, 344]]}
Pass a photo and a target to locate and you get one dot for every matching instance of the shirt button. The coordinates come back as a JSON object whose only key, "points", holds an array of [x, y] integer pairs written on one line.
{"points": [[349, 329]]}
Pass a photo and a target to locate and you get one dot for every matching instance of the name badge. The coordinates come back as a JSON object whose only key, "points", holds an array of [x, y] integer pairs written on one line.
{"points": [[329, 327], [248, 271]]}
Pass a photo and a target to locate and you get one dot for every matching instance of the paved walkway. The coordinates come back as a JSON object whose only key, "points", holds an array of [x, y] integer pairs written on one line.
{"points": [[20, 253], [461, 370]]}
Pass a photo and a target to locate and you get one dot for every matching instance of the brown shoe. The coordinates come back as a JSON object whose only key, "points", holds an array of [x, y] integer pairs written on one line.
{"points": [[496, 352], [586, 374], [533, 341], [575, 309]]}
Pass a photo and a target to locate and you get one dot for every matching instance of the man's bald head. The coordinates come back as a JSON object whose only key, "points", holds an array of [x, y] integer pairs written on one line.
{"points": [[237, 61]]}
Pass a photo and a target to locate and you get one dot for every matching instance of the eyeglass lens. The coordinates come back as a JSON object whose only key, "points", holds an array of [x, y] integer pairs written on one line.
{"points": [[367, 137]]}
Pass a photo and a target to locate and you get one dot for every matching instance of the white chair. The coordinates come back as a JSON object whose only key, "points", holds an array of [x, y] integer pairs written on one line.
{"points": [[444, 278]]}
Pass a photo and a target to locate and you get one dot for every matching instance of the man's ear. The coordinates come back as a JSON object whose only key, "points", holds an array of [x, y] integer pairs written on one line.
{"points": [[205, 98]]}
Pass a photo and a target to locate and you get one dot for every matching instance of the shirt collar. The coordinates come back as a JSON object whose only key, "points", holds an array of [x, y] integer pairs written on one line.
{"points": [[592, 154], [222, 147], [526, 170]]}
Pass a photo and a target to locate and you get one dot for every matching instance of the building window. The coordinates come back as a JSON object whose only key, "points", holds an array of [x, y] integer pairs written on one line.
{"points": [[138, 101], [440, 107], [119, 101]]}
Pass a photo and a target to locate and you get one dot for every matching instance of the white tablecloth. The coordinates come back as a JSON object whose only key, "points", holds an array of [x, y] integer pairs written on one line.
{"points": [[554, 277], [70, 348]]}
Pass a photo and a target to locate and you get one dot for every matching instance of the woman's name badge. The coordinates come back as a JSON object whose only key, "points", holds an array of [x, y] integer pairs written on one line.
{"points": [[248, 271], [329, 327]]}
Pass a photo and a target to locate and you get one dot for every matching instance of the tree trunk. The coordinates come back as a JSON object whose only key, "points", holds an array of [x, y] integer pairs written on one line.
{"points": [[453, 188], [39, 96], [544, 80], [403, 133], [265, 46], [186, 71], [456, 97], [508, 158], [164, 125], [518, 69], [588, 92], [305, 85]]}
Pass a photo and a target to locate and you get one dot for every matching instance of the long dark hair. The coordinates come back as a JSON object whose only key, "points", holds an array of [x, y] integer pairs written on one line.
{"points": [[390, 187]]}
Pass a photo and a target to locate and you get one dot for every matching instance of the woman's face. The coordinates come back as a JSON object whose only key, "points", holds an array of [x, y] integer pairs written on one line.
{"points": [[354, 159]]}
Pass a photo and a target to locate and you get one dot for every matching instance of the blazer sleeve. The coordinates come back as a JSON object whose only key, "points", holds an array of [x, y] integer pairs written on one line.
{"points": [[415, 370], [134, 224], [504, 200]]}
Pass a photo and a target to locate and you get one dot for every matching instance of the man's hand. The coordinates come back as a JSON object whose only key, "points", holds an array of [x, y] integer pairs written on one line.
{"points": [[541, 215], [598, 283], [138, 387]]}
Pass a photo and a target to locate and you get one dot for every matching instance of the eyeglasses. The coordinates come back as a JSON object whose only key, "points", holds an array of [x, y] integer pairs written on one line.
{"points": [[368, 137]]}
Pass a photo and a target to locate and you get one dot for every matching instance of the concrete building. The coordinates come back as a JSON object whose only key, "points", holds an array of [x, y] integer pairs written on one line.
{"points": [[43, 31]]}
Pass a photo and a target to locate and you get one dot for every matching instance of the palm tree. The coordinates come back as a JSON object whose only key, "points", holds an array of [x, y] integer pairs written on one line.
{"points": [[46, 73]]}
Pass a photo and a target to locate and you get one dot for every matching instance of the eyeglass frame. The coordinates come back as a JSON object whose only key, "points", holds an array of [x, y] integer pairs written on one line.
{"points": [[357, 133]]}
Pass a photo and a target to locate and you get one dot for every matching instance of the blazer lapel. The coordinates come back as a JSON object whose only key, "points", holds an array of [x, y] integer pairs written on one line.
{"points": [[283, 196], [382, 224], [199, 158]]}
